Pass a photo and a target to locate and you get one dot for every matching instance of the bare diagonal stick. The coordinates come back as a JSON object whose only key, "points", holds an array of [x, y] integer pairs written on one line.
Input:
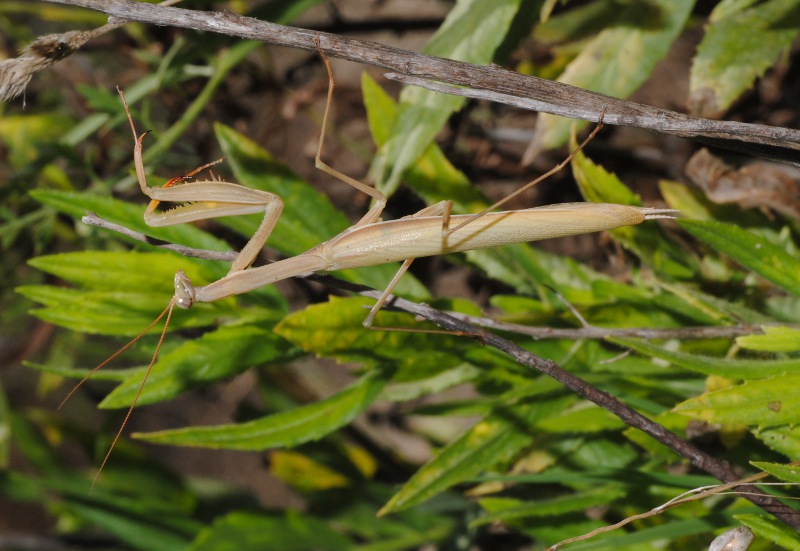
{"points": [[551, 97], [721, 470]]}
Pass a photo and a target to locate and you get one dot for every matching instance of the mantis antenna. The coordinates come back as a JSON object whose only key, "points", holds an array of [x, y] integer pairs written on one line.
{"points": [[431, 231]]}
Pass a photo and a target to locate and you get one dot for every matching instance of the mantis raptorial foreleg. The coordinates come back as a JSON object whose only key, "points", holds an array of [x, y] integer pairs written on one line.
{"points": [[206, 199]]}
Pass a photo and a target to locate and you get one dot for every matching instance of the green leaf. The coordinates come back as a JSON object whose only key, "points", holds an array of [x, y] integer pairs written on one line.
{"points": [[128, 271], [102, 313], [472, 32], [787, 473], [784, 439], [709, 309], [583, 418], [508, 510], [620, 58], [495, 439], [774, 339], [751, 251], [126, 291], [739, 46], [433, 177], [251, 531], [771, 530], [411, 390], [334, 329], [707, 365], [766, 402], [154, 531], [533, 271], [151, 512], [217, 355], [289, 428]]}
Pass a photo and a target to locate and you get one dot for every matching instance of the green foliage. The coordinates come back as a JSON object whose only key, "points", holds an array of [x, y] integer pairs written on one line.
{"points": [[472, 32], [740, 44], [389, 439], [621, 57]]}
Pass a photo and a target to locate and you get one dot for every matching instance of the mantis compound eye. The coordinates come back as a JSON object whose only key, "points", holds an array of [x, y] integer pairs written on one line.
{"points": [[184, 291]]}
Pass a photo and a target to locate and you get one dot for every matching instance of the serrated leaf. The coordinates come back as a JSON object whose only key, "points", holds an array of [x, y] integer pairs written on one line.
{"points": [[707, 365], [739, 46], [771, 530], [129, 271], [784, 439], [253, 531], [766, 402], [334, 329], [774, 339], [751, 251], [285, 429], [218, 354], [620, 58], [495, 439], [787, 473], [471, 32], [126, 291]]}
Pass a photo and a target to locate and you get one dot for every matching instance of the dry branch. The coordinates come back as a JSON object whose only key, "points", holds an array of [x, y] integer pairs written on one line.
{"points": [[547, 96]]}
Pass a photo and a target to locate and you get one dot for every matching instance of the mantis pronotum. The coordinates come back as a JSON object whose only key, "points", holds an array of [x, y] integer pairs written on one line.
{"points": [[431, 231]]}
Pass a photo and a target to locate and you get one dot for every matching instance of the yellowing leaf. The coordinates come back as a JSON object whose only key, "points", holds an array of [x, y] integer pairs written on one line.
{"points": [[765, 402], [303, 473], [774, 339]]}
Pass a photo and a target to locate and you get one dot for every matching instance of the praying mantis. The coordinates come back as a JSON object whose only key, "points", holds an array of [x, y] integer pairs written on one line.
{"points": [[370, 241]]}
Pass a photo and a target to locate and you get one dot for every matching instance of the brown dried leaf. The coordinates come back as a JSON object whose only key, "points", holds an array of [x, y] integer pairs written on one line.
{"points": [[760, 184]]}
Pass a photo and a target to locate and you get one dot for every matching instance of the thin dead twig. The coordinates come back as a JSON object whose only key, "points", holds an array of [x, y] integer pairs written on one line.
{"points": [[16, 73]]}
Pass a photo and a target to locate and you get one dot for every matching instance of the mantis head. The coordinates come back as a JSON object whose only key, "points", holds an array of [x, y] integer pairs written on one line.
{"points": [[184, 291]]}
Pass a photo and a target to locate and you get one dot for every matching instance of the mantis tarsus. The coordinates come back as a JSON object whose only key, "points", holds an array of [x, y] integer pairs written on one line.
{"points": [[431, 231]]}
